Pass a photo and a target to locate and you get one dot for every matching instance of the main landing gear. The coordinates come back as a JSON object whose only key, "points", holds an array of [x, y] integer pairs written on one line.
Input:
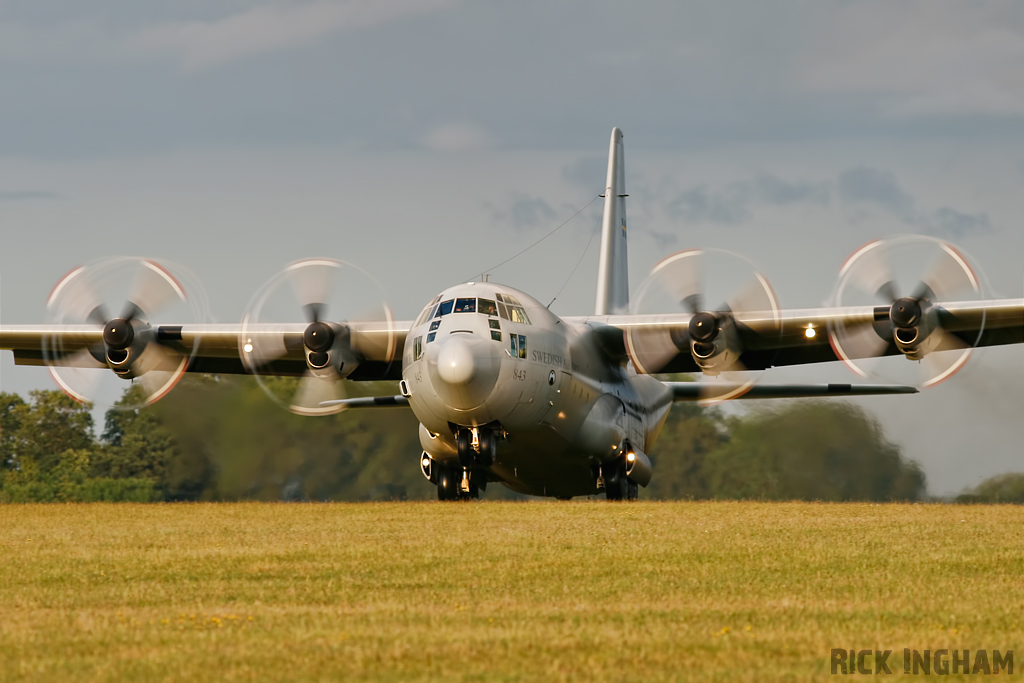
{"points": [[477, 447], [617, 485]]}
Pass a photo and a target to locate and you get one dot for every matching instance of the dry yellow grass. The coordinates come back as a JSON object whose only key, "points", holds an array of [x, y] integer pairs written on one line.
{"points": [[498, 591]]}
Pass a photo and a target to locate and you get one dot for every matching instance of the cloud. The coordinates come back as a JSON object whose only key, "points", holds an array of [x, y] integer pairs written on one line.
{"points": [[22, 195], [859, 189], [727, 206], [457, 137], [589, 172], [952, 223], [663, 240], [196, 44], [273, 26], [734, 203], [873, 186], [773, 190], [923, 57], [870, 186], [523, 211]]}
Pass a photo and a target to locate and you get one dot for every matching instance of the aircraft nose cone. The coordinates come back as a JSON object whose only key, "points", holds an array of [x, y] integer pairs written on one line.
{"points": [[455, 363], [464, 370]]}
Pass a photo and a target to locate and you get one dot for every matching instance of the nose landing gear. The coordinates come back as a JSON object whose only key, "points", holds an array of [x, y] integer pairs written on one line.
{"points": [[455, 483], [477, 447]]}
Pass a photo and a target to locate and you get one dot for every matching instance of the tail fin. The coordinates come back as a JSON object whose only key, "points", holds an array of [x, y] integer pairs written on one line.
{"points": [[612, 272]]}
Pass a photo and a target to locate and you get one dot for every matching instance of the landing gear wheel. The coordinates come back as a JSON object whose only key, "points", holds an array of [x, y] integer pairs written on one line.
{"points": [[617, 486], [464, 442], [448, 479], [488, 445]]}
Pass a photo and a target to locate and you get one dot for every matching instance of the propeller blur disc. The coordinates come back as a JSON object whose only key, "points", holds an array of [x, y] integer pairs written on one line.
{"points": [[893, 278], [131, 296], [696, 283], [339, 295]]}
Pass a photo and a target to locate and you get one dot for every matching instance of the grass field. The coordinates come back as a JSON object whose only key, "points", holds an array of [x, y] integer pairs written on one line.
{"points": [[498, 591]]}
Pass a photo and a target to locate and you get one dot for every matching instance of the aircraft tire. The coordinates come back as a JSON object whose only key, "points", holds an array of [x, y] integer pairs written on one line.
{"points": [[447, 483], [464, 443], [617, 486], [488, 447]]}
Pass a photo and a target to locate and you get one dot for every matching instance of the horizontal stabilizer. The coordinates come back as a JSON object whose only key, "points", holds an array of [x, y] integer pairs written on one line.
{"points": [[369, 402], [697, 391]]}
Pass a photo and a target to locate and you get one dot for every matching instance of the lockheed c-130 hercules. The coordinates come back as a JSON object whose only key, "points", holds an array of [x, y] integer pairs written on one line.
{"points": [[505, 390]]}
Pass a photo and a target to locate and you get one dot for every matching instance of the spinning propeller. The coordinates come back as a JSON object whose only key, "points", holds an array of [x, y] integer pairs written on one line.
{"points": [[346, 319], [910, 320], [138, 290], [687, 280]]}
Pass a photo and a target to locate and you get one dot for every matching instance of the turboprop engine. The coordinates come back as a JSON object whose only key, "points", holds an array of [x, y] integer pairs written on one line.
{"points": [[126, 343], [328, 350], [714, 342], [711, 336], [332, 349], [916, 325]]}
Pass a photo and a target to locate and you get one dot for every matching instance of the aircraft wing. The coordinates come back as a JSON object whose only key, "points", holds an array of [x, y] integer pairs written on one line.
{"points": [[660, 343], [212, 348], [694, 391]]}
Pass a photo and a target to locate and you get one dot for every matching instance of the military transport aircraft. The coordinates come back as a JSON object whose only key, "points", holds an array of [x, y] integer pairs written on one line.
{"points": [[506, 391]]}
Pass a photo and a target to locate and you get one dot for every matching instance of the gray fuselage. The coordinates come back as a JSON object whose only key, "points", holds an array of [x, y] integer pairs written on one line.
{"points": [[562, 402]]}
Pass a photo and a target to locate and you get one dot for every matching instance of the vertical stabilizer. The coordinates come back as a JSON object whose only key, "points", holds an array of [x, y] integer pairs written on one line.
{"points": [[612, 274]]}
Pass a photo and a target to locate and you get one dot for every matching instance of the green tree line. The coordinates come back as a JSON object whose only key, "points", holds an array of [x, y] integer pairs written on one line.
{"points": [[223, 439]]}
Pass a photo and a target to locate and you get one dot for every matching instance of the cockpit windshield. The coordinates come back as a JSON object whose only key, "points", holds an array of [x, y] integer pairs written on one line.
{"points": [[506, 306], [465, 306]]}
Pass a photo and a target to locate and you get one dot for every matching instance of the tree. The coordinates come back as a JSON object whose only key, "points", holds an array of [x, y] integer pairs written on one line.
{"points": [[811, 451], [10, 426], [690, 434], [48, 427], [1002, 488], [136, 444]]}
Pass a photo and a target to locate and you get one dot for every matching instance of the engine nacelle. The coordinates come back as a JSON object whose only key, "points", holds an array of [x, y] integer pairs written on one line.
{"points": [[603, 432], [638, 465], [327, 350], [714, 343], [427, 467], [913, 323], [126, 343]]}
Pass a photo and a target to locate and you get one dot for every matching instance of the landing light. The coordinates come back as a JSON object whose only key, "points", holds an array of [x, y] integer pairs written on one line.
{"points": [[247, 347], [809, 333], [630, 457], [426, 462]]}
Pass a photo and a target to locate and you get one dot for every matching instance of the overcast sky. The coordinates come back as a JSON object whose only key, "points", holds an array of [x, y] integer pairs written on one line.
{"points": [[428, 140]]}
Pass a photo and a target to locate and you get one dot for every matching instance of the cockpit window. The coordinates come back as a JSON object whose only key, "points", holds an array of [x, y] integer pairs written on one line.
{"points": [[510, 308], [423, 316], [465, 306], [434, 325], [429, 312], [487, 307], [444, 308], [518, 315]]}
